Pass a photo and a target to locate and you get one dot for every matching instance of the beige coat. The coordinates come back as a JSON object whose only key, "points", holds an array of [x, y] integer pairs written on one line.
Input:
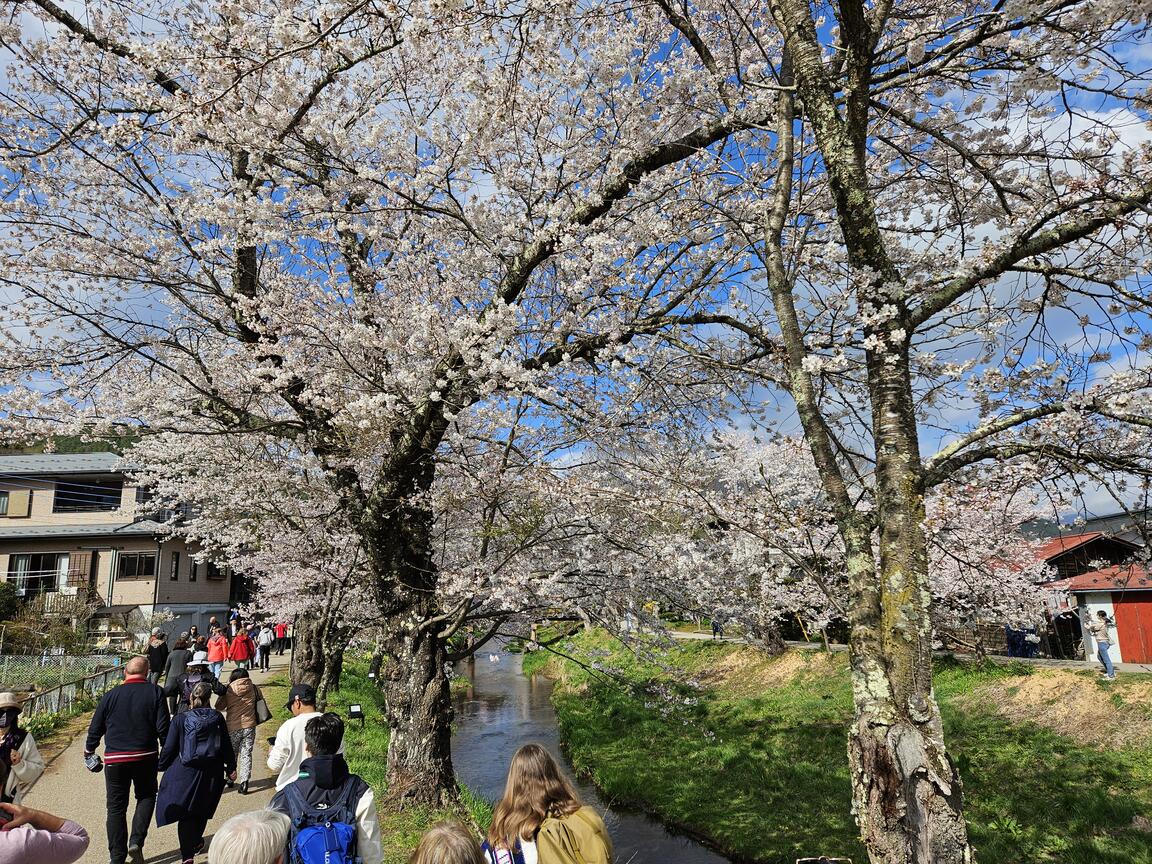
{"points": [[238, 704], [580, 837], [1099, 629]]}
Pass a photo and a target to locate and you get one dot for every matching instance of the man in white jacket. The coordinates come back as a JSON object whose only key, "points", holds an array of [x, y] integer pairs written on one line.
{"points": [[20, 762], [288, 750], [325, 790]]}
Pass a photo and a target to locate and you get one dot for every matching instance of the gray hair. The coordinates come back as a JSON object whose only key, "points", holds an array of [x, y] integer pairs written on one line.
{"points": [[259, 837]]}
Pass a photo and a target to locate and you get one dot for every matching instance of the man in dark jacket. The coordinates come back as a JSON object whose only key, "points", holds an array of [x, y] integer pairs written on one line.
{"points": [[325, 780], [133, 721]]}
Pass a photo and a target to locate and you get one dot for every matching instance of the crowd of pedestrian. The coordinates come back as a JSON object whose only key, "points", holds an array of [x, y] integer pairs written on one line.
{"points": [[175, 748]]}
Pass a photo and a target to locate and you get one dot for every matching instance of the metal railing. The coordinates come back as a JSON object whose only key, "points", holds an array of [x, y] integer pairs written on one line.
{"points": [[67, 696]]}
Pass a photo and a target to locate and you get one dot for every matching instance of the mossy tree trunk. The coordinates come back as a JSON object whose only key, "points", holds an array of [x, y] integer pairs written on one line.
{"points": [[907, 795]]}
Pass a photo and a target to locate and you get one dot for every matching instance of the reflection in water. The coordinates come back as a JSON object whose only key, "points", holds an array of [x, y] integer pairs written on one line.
{"points": [[504, 710]]}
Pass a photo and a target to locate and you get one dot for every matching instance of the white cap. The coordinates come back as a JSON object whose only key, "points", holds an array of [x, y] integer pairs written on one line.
{"points": [[200, 658]]}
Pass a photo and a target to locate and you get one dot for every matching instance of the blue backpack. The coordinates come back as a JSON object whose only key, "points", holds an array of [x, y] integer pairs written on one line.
{"points": [[200, 745], [323, 835]]}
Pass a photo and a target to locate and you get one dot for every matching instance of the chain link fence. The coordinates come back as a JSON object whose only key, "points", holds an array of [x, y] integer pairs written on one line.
{"points": [[23, 672]]}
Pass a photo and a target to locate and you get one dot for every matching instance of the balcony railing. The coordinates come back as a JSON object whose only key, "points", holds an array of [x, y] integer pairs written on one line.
{"points": [[33, 583]]}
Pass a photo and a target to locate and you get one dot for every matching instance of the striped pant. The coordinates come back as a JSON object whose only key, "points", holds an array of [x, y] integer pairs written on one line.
{"points": [[242, 742]]}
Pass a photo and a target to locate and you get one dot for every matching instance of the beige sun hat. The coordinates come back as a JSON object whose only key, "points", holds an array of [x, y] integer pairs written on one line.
{"points": [[9, 700]]}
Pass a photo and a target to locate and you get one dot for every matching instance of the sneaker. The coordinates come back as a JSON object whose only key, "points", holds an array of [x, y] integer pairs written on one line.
{"points": [[244, 788], [136, 854]]}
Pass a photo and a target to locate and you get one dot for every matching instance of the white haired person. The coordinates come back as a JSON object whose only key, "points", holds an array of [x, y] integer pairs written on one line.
{"points": [[20, 762], [259, 837], [30, 836]]}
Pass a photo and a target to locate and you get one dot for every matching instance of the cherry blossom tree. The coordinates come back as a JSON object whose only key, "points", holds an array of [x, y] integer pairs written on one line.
{"points": [[953, 233], [345, 226], [352, 226]]}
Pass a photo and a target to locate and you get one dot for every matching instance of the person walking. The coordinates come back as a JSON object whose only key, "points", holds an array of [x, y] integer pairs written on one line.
{"points": [[264, 643], [197, 756], [239, 707], [157, 654], [35, 837], [542, 818], [20, 761], [193, 634], [281, 630], [325, 791], [1098, 627], [132, 718], [242, 650], [287, 752], [217, 651], [182, 686], [175, 666]]}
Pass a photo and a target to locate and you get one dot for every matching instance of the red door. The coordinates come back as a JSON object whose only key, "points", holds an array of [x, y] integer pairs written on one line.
{"points": [[1134, 624]]}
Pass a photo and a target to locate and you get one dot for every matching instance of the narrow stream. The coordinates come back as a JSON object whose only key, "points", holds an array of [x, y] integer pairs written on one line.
{"points": [[504, 710]]}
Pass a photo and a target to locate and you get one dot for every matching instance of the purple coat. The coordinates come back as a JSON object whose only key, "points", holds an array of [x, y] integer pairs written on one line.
{"points": [[186, 790]]}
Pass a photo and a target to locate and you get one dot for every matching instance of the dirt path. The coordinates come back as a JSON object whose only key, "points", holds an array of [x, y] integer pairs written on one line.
{"points": [[67, 789]]}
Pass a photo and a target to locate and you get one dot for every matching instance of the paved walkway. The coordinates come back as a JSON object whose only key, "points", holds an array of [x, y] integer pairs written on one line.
{"points": [[1078, 665], [69, 790]]}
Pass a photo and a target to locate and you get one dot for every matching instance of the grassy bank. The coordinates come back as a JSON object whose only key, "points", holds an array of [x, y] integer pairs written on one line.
{"points": [[750, 751], [366, 749]]}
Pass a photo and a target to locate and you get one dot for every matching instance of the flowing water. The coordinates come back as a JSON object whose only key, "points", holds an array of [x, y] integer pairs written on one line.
{"points": [[503, 710]]}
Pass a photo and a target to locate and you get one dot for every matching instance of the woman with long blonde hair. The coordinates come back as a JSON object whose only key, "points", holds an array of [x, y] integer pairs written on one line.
{"points": [[541, 819]]}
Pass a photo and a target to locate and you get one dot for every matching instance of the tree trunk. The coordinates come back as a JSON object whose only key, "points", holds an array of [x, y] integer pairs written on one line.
{"points": [[414, 676], [308, 651], [418, 709], [907, 793], [330, 678]]}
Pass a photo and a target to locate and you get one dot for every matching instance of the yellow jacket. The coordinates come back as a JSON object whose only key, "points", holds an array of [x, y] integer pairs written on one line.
{"points": [[577, 839]]}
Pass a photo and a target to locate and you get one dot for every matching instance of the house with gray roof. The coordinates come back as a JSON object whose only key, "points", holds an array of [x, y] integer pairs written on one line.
{"points": [[71, 532]]}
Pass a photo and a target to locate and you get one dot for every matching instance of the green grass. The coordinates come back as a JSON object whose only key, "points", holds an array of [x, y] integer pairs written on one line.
{"points": [[762, 767], [366, 750]]}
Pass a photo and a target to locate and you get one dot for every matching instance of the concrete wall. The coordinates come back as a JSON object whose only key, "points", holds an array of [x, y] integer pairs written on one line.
{"points": [[1094, 603]]}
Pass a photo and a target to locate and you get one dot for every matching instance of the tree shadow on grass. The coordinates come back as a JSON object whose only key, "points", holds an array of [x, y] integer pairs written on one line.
{"points": [[772, 790], [1033, 795], [766, 793]]}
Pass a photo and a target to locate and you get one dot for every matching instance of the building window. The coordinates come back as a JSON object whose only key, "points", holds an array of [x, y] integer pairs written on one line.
{"points": [[174, 568], [88, 496], [136, 565], [215, 572], [193, 566], [15, 503], [38, 573]]}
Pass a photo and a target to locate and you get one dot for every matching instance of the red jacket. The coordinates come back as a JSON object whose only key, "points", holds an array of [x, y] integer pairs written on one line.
{"points": [[242, 648], [218, 649]]}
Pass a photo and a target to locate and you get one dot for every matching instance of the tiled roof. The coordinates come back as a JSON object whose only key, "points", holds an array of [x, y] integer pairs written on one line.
{"points": [[1119, 577], [112, 529], [1059, 545], [61, 463]]}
